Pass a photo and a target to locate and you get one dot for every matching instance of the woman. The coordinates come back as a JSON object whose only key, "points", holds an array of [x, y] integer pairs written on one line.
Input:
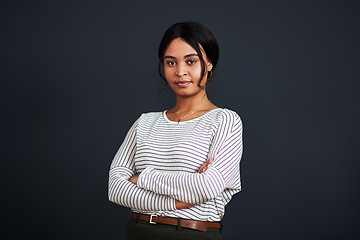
{"points": [[178, 169]]}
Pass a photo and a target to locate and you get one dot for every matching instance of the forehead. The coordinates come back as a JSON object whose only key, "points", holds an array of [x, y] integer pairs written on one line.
{"points": [[179, 47]]}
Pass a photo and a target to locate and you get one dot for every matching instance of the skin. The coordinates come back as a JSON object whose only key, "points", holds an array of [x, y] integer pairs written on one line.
{"points": [[182, 68]]}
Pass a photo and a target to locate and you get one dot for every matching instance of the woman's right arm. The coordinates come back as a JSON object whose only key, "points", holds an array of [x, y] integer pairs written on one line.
{"points": [[127, 194]]}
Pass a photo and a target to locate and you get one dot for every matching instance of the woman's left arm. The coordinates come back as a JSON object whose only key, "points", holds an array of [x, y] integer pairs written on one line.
{"points": [[197, 188]]}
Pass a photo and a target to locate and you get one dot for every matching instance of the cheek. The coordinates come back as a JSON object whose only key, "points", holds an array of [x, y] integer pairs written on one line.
{"points": [[168, 72], [195, 73]]}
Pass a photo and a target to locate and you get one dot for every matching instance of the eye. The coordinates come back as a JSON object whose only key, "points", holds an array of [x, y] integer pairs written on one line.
{"points": [[170, 63], [191, 61]]}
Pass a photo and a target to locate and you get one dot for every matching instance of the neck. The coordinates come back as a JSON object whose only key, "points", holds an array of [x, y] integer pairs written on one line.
{"points": [[192, 103]]}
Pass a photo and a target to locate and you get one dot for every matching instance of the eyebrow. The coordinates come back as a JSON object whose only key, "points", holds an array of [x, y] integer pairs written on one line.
{"points": [[186, 56]]}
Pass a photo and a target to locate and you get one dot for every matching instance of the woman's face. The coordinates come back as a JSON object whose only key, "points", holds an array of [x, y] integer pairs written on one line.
{"points": [[182, 68]]}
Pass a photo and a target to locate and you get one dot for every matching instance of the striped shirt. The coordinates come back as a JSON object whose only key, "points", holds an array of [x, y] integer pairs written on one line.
{"points": [[167, 155]]}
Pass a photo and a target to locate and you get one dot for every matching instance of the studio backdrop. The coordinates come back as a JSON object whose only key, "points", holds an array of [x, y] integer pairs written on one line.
{"points": [[75, 75]]}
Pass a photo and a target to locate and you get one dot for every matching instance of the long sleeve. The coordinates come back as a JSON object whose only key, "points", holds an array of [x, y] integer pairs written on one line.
{"points": [[125, 193], [224, 173]]}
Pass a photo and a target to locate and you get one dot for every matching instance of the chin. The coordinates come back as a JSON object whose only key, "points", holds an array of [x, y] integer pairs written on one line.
{"points": [[186, 94]]}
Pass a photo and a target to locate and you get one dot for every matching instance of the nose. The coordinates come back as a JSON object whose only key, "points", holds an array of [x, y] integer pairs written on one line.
{"points": [[181, 70]]}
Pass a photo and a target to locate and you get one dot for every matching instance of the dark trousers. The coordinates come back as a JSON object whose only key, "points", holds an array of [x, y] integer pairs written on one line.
{"points": [[139, 230]]}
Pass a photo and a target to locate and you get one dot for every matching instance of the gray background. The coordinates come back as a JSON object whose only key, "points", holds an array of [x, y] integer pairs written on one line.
{"points": [[76, 74]]}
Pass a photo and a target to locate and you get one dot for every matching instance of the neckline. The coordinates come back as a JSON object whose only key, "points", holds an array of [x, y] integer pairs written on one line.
{"points": [[183, 122]]}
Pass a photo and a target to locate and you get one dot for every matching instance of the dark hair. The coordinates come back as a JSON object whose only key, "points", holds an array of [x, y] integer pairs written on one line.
{"points": [[195, 34]]}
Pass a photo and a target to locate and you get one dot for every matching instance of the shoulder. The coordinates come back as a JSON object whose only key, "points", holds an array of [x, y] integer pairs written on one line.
{"points": [[151, 114], [231, 114], [224, 114], [149, 117], [229, 119]]}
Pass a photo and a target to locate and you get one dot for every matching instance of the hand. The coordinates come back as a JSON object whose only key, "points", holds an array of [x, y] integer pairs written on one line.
{"points": [[205, 166], [134, 179], [182, 205]]}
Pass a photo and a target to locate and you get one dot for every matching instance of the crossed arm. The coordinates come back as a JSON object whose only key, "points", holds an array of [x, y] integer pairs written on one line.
{"points": [[156, 191], [122, 189], [180, 204]]}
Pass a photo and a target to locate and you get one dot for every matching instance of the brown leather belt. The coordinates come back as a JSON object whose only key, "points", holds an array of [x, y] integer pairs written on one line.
{"points": [[197, 225]]}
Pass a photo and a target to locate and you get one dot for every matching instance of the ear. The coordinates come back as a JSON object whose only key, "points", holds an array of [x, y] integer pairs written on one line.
{"points": [[209, 66]]}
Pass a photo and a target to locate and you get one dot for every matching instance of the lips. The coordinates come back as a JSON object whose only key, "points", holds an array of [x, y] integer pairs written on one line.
{"points": [[183, 83]]}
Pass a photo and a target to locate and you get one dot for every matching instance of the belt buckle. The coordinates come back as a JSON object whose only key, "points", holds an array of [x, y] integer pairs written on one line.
{"points": [[151, 216]]}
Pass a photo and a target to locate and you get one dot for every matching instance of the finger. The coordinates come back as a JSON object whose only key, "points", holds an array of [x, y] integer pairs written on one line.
{"points": [[204, 168], [201, 167], [205, 165], [209, 162]]}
